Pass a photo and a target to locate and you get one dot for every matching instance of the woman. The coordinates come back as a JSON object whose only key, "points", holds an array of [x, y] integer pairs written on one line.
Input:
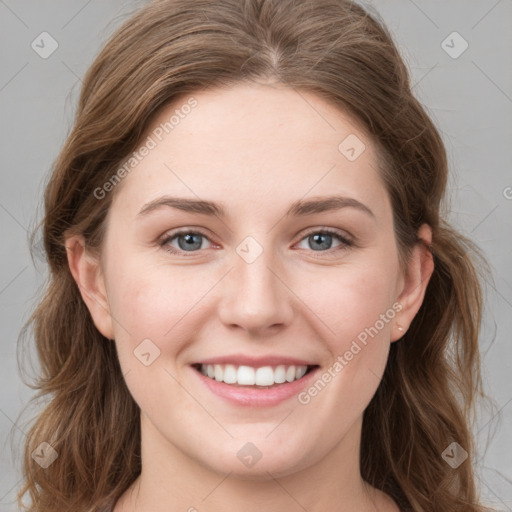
{"points": [[255, 301]]}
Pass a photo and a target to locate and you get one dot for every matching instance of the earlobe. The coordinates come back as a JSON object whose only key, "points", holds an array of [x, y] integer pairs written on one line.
{"points": [[415, 281], [86, 271]]}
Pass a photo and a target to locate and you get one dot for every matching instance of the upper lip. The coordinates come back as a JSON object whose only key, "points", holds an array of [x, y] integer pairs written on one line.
{"points": [[256, 362]]}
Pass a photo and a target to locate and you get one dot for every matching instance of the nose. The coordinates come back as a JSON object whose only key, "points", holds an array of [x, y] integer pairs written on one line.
{"points": [[255, 296]]}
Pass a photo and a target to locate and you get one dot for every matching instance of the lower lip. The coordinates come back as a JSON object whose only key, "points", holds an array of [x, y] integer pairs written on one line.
{"points": [[249, 396]]}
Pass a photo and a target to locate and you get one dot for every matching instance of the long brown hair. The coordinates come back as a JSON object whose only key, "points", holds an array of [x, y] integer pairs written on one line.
{"points": [[341, 52]]}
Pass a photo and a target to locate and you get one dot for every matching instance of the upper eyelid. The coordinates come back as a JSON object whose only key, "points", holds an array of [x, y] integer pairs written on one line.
{"points": [[332, 231]]}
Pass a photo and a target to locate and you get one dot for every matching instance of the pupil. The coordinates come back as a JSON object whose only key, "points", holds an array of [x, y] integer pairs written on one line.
{"points": [[318, 239], [190, 240]]}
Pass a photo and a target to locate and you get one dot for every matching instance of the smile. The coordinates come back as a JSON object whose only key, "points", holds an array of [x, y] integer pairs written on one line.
{"points": [[264, 376], [262, 386]]}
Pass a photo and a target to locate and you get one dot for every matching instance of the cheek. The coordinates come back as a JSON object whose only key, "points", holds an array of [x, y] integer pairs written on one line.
{"points": [[356, 310], [158, 302], [355, 306], [148, 301], [348, 300], [153, 311]]}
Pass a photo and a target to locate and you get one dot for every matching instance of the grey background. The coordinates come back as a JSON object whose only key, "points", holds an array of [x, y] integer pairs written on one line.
{"points": [[469, 98]]}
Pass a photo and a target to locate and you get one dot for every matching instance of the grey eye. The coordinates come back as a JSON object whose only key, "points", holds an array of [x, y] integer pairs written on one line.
{"points": [[189, 241], [322, 241]]}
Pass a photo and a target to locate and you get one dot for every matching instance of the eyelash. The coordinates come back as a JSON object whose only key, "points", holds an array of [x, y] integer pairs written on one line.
{"points": [[345, 242]]}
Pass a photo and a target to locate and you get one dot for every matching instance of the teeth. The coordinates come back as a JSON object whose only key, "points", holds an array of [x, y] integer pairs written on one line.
{"points": [[219, 372], [249, 376], [230, 374]]}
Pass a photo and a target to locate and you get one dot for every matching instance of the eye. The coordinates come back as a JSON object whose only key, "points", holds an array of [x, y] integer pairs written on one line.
{"points": [[187, 241], [322, 240]]}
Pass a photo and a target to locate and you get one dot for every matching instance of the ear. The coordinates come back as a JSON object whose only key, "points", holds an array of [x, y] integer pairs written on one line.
{"points": [[86, 271], [414, 282]]}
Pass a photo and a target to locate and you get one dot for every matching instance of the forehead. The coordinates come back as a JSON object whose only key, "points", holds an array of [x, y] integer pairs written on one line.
{"points": [[253, 143]]}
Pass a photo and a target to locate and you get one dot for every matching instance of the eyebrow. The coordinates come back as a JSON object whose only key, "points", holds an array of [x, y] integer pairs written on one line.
{"points": [[298, 208]]}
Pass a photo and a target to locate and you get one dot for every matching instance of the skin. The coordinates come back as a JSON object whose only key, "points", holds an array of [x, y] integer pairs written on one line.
{"points": [[254, 148]]}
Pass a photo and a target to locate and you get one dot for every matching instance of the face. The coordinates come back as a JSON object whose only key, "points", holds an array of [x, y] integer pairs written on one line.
{"points": [[254, 263]]}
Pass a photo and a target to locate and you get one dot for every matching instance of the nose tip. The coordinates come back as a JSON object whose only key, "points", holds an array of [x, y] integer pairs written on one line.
{"points": [[255, 298]]}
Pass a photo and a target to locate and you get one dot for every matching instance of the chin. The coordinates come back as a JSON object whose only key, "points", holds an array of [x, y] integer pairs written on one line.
{"points": [[252, 463]]}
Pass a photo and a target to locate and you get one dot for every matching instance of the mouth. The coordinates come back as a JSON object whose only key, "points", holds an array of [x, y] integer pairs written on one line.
{"points": [[263, 377]]}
